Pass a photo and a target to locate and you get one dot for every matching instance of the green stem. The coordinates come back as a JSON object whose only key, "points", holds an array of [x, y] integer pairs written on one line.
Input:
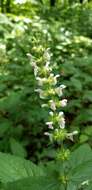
{"points": [[66, 186]]}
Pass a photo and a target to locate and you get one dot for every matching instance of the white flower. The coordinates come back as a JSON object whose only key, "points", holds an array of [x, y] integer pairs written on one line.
{"points": [[51, 113], [62, 86], [61, 123], [52, 105], [53, 78], [61, 113], [59, 90], [44, 105], [47, 54], [47, 134], [61, 120], [86, 182], [40, 81], [63, 102], [47, 64], [50, 135], [41, 93], [50, 125], [70, 135], [36, 69]]}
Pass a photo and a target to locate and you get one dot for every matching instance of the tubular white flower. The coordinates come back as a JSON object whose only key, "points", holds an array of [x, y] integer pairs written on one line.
{"points": [[50, 125], [59, 90], [61, 120], [53, 78], [47, 68], [70, 135], [47, 54], [41, 93], [44, 105], [52, 105], [62, 86], [63, 102], [41, 81], [36, 69], [46, 133], [51, 113], [61, 123], [61, 113]]}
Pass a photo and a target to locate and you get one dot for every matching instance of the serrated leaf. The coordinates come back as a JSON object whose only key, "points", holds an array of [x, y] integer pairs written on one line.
{"points": [[37, 183], [71, 186], [81, 164], [13, 168], [80, 155], [82, 172]]}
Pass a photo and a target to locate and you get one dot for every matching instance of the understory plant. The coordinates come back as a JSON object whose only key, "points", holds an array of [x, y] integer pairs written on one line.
{"points": [[69, 170]]}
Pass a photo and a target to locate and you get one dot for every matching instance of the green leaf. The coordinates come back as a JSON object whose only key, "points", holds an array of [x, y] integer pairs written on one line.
{"points": [[80, 156], [88, 187], [35, 183], [5, 125], [82, 172], [81, 164], [83, 138], [71, 186], [76, 84], [87, 95], [17, 148], [84, 116], [88, 130], [13, 168]]}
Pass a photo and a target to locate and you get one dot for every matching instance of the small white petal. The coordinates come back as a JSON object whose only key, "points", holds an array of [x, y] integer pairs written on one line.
{"points": [[61, 113], [52, 105], [50, 125], [62, 86], [51, 113], [63, 102], [44, 105]]}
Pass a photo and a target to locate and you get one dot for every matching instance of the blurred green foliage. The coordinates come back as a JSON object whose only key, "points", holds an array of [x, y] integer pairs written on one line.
{"points": [[29, 29]]}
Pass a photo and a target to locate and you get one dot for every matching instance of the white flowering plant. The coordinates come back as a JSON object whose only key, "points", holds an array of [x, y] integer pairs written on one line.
{"points": [[52, 94], [71, 170]]}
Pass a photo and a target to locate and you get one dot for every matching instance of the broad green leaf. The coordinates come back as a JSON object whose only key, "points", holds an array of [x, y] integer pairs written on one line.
{"points": [[88, 130], [35, 183], [13, 168], [82, 172], [5, 124], [17, 149], [71, 186], [80, 156], [81, 164], [83, 138]]}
